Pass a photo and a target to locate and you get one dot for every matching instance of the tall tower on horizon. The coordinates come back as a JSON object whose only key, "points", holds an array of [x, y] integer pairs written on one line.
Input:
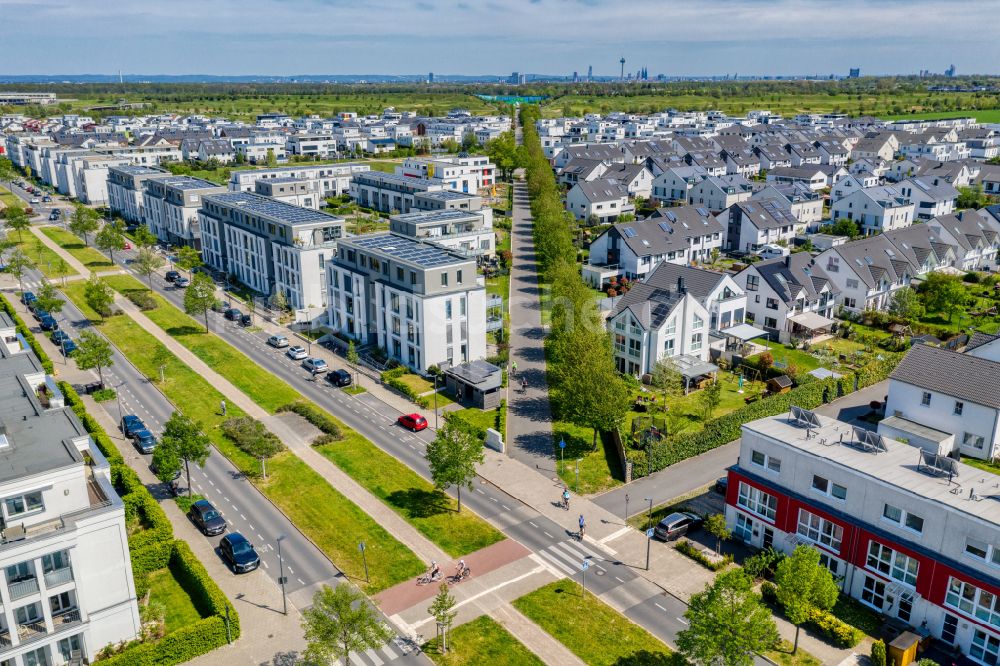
{"points": [[590, 73], [622, 61]]}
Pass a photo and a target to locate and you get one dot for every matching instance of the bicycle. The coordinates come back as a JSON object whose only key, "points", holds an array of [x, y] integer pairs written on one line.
{"points": [[457, 578], [429, 577], [565, 501]]}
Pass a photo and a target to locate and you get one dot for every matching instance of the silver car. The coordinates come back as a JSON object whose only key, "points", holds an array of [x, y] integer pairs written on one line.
{"points": [[297, 353], [278, 341], [315, 365]]}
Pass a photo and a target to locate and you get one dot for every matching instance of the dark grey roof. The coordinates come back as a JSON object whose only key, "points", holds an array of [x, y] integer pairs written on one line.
{"points": [[698, 282], [957, 375], [874, 258], [602, 189], [650, 305], [666, 230], [790, 275], [476, 373], [767, 214], [979, 339], [268, 207]]}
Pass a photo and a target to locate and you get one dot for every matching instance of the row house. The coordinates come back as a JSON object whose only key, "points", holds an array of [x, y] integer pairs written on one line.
{"points": [[802, 202], [717, 193], [875, 209], [752, 224], [600, 200], [929, 200]]}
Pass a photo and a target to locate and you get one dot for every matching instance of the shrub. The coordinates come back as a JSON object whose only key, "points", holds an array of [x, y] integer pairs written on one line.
{"points": [[391, 379], [246, 432], [972, 277], [684, 546], [764, 563], [765, 361], [142, 299], [104, 395], [878, 653], [822, 622], [320, 440], [315, 416]]}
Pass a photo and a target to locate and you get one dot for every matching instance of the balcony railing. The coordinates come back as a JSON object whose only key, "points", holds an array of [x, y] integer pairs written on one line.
{"points": [[58, 576], [31, 630], [23, 588], [5, 640], [66, 619]]}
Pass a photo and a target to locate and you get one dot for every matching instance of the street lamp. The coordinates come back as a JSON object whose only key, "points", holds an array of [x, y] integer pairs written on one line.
{"points": [[578, 474], [649, 530], [281, 577], [435, 402]]}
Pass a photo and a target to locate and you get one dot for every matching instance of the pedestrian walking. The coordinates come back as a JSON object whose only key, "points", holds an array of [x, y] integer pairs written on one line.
{"points": [[222, 407]]}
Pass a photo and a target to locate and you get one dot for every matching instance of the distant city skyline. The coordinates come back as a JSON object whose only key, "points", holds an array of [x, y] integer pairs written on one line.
{"points": [[449, 37]]}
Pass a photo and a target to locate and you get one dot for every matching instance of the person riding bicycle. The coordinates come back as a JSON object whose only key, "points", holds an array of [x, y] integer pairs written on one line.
{"points": [[514, 366], [565, 497], [460, 568], [524, 383], [583, 525], [435, 571]]}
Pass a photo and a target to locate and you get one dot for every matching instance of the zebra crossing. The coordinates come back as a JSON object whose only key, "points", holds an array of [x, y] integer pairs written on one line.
{"points": [[397, 648], [568, 556]]}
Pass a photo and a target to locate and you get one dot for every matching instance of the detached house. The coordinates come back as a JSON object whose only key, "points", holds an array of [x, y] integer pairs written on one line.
{"points": [[789, 296], [636, 178], [603, 199], [724, 299], [675, 182], [930, 200], [974, 237], [805, 204], [876, 209], [752, 224], [810, 176], [718, 193]]}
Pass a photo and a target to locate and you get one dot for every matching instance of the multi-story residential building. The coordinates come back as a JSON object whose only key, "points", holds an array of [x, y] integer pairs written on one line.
{"points": [[717, 193], [906, 532], [674, 184], [463, 231], [171, 207], [92, 178], [752, 224], [314, 145], [67, 589], [724, 299], [866, 272], [332, 180], [467, 174], [297, 191], [789, 297], [421, 303], [929, 200], [270, 245], [678, 235], [809, 175], [126, 188], [260, 153], [600, 200], [389, 192], [656, 319], [803, 203], [876, 209]]}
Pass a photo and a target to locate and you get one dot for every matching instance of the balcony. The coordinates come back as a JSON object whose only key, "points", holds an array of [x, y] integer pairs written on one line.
{"points": [[5, 639], [23, 588], [31, 630], [58, 576], [66, 619]]}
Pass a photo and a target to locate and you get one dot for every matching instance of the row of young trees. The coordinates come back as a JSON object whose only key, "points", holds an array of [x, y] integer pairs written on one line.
{"points": [[585, 385]]}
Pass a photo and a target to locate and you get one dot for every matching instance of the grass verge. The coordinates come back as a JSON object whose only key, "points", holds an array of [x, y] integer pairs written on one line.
{"points": [[88, 256], [179, 610], [45, 258], [782, 654], [481, 641], [591, 629], [328, 518], [599, 469], [418, 502]]}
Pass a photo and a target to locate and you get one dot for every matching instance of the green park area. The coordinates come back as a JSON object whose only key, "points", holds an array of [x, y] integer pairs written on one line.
{"points": [[481, 641], [88, 256]]}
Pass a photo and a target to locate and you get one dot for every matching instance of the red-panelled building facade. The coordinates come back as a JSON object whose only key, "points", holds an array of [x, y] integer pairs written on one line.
{"points": [[900, 549]]}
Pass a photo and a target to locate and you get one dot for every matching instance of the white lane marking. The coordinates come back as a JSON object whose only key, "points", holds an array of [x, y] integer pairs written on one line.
{"points": [[548, 535], [211, 482], [243, 517], [372, 656], [252, 527], [300, 580], [532, 524], [619, 579], [264, 562], [493, 499], [536, 570], [611, 537], [682, 621], [290, 570], [505, 506]]}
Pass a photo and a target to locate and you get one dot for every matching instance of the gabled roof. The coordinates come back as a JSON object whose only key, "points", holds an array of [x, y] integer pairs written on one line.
{"points": [[766, 214], [792, 275], [667, 230], [874, 258], [582, 167], [602, 190], [648, 304], [698, 282], [951, 373]]}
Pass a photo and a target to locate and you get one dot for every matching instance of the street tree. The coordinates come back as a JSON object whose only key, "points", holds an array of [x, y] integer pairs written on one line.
{"points": [[278, 300], [339, 623], [804, 584], [185, 437], [354, 358], [189, 259], [98, 295], [167, 463], [18, 264], [7, 171], [944, 293], [147, 262], [200, 296], [442, 609], [17, 218], [668, 379], [84, 222], [727, 623], [48, 298], [111, 238], [905, 303], [62, 268], [453, 456], [93, 352], [253, 438], [710, 398], [716, 526], [161, 358], [143, 237]]}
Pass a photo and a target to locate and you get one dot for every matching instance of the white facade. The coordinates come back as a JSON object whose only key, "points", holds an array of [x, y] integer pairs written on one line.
{"points": [[332, 180], [639, 343], [876, 209]]}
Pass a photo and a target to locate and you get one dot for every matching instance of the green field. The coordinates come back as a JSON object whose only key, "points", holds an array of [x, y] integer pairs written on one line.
{"points": [[592, 630], [88, 256], [178, 608], [482, 641]]}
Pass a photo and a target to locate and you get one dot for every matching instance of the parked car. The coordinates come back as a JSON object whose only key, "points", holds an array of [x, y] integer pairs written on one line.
{"points": [[207, 518], [182, 282], [28, 298], [239, 553], [144, 441], [35, 200], [233, 314], [220, 306], [46, 199], [278, 341], [54, 215], [68, 348], [315, 365], [131, 423], [677, 524], [59, 337], [339, 378], [49, 323], [171, 276], [38, 313], [414, 422], [246, 320], [296, 353], [722, 485]]}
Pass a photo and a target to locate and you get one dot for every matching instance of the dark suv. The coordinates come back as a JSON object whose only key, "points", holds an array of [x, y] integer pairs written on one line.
{"points": [[171, 276], [144, 440], [207, 518], [238, 552], [676, 525], [339, 378], [131, 424]]}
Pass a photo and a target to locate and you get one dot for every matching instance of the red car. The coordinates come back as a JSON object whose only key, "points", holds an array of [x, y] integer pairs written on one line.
{"points": [[414, 422]]}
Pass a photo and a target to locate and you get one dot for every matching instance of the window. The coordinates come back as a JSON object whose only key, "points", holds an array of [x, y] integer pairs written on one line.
{"points": [[770, 322], [820, 530], [757, 501], [671, 328], [696, 342], [772, 304], [873, 592], [925, 399], [461, 306], [973, 601], [824, 486], [761, 459], [830, 563], [753, 282], [985, 648], [458, 276], [697, 324], [668, 347], [444, 279], [24, 504], [959, 407], [892, 563], [973, 440], [447, 309], [983, 551], [744, 527], [852, 284], [903, 518]]}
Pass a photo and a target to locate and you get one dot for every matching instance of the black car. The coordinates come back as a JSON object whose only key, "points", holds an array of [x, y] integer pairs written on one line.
{"points": [[233, 314], [722, 485], [28, 298], [49, 323], [144, 441], [130, 424], [676, 525], [246, 320], [59, 337], [339, 378], [171, 276], [238, 552], [68, 348], [207, 518]]}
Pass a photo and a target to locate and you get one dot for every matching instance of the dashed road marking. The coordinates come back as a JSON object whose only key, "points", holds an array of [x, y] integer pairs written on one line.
{"points": [[660, 607]]}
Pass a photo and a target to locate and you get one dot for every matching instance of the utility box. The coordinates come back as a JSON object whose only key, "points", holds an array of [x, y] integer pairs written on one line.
{"points": [[903, 649]]}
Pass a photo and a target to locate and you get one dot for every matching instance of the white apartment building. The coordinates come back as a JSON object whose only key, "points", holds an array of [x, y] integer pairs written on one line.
{"points": [[270, 245], [171, 207], [92, 177], [332, 180], [467, 232], [67, 589], [313, 145], [462, 174], [389, 192], [876, 209], [296, 191], [126, 188], [421, 303]]}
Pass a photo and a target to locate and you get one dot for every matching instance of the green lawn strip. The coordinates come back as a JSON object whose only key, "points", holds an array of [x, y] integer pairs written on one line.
{"points": [[88, 256], [599, 469], [9, 199], [43, 257], [430, 511], [179, 609], [482, 641], [259, 384], [592, 630], [328, 518], [782, 655], [478, 418], [381, 165]]}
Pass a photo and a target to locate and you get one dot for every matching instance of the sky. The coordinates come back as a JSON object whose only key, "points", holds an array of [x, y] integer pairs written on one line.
{"points": [[672, 37]]}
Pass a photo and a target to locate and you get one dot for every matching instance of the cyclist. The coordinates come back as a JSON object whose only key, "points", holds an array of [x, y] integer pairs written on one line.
{"points": [[514, 366], [460, 568], [583, 525], [524, 384], [435, 570], [565, 498]]}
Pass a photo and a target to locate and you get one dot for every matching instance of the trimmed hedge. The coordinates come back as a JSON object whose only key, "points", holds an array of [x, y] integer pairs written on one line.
{"points": [[727, 427], [822, 622], [315, 416], [29, 337], [391, 379], [685, 548]]}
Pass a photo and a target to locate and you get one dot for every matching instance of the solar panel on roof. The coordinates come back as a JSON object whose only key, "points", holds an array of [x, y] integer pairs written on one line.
{"points": [[671, 216], [703, 212], [629, 232], [664, 226], [749, 208]]}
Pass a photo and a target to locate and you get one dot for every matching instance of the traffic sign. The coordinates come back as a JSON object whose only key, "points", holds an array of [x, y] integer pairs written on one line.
{"points": [[562, 443], [585, 565], [361, 546], [649, 533]]}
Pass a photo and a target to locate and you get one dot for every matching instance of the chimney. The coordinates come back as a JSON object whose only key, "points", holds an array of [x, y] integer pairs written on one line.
{"points": [[681, 289]]}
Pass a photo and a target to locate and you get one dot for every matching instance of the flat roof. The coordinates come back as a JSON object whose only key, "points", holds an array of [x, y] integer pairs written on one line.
{"points": [[140, 170], [897, 465], [284, 179], [447, 195], [190, 183], [383, 177], [432, 216], [476, 372], [406, 249], [272, 208]]}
